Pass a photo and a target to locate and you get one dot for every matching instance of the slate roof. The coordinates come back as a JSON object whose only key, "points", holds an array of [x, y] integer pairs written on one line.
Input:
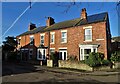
{"points": [[70, 23], [36, 30]]}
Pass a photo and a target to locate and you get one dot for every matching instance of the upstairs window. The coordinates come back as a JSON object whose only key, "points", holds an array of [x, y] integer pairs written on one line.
{"points": [[63, 36], [42, 39], [32, 40], [52, 38], [88, 34]]}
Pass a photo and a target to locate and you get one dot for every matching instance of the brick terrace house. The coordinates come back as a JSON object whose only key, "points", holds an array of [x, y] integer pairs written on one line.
{"points": [[77, 37]]}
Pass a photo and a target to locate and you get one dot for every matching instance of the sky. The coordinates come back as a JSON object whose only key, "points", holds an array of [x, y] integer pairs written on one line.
{"points": [[40, 10]]}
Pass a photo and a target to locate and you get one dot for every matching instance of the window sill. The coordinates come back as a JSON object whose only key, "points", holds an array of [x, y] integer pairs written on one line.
{"points": [[88, 41], [52, 43], [63, 42]]}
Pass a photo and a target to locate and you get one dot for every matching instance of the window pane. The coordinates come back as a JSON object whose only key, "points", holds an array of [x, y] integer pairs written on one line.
{"points": [[81, 51], [60, 55], [42, 39], [40, 55], [52, 38], [64, 37], [88, 34], [88, 37], [87, 51], [31, 40], [64, 55]]}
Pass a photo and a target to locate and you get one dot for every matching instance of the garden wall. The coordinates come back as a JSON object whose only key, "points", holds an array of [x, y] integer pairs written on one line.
{"points": [[50, 63], [74, 65], [116, 65]]}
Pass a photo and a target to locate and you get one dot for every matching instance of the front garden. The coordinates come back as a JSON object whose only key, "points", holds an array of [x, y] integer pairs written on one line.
{"points": [[95, 61]]}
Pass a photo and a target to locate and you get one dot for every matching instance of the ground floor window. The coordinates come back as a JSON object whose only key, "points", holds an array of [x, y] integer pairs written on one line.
{"points": [[30, 53], [41, 54], [86, 49], [62, 54], [86, 53]]}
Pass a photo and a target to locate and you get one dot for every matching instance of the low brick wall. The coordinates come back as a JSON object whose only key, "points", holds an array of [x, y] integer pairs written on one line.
{"points": [[50, 63], [74, 65]]}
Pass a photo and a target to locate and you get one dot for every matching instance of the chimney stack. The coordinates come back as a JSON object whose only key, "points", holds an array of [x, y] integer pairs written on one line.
{"points": [[31, 26], [49, 21], [83, 14]]}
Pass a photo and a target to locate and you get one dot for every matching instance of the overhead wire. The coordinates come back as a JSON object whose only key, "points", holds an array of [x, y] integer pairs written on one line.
{"points": [[31, 4]]}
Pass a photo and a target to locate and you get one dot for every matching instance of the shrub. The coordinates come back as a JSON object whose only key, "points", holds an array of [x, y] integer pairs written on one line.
{"points": [[94, 59], [54, 56], [106, 62], [115, 56]]}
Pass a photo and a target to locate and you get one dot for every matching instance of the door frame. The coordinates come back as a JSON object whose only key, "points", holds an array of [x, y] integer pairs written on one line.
{"points": [[62, 51]]}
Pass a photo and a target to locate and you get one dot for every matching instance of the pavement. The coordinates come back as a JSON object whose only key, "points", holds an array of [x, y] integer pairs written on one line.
{"points": [[104, 72]]}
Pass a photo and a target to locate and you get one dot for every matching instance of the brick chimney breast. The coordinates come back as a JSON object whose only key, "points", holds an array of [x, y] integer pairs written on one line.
{"points": [[83, 14], [31, 26], [49, 21]]}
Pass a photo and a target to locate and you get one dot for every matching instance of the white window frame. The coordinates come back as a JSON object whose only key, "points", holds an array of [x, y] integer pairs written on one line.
{"points": [[88, 28], [42, 39], [62, 50], [41, 50], [83, 47], [52, 33], [65, 31], [32, 36]]}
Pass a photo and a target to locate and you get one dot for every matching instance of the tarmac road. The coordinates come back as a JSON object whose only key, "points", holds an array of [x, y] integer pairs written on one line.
{"points": [[30, 73]]}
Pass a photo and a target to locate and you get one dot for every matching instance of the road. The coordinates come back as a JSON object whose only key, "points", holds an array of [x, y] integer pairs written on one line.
{"points": [[34, 73]]}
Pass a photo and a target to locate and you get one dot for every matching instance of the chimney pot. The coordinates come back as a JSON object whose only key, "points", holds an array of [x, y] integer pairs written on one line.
{"points": [[83, 14], [49, 21], [31, 26]]}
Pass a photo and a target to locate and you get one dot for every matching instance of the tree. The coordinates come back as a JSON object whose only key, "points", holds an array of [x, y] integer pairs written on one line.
{"points": [[115, 56], [9, 45]]}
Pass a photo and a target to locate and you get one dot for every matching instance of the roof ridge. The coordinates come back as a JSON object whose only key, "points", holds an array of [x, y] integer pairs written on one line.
{"points": [[98, 14]]}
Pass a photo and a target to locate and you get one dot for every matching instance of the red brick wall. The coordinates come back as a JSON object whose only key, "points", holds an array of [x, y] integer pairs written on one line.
{"points": [[75, 36]]}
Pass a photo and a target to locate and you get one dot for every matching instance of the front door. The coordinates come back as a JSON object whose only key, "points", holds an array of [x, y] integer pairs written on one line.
{"points": [[41, 54], [63, 54]]}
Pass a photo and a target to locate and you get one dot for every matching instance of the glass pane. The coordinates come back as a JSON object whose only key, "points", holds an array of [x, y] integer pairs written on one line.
{"points": [[81, 51], [40, 54], [60, 55], [88, 32], [42, 37], [87, 51], [64, 55], [88, 37]]}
